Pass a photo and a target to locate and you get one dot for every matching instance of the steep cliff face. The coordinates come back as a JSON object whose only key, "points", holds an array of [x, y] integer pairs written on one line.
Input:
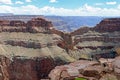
{"points": [[30, 50], [30, 69], [103, 38], [108, 25], [35, 25], [4, 62], [20, 68], [39, 25]]}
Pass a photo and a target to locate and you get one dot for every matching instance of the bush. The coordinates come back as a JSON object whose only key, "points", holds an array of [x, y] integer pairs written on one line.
{"points": [[81, 79]]}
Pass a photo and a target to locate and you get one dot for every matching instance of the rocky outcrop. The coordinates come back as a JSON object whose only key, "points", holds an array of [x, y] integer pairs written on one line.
{"points": [[20, 68], [77, 69], [4, 23], [39, 22], [35, 25], [108, 25], [17, 23], [4, 64], [80, 31], [116, 67], [101, 39], [90, 70], [67, 42], [30, 54], [29, 69]]}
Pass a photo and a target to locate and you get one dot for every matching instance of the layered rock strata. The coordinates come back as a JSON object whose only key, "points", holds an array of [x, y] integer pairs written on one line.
{"points": [[88, 70], [103, 38], [30, 50]]}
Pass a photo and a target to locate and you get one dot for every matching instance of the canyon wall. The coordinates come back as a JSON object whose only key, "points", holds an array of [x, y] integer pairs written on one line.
{"points": [[35, 25], [103, 38], [30, 50], [108, 25]]}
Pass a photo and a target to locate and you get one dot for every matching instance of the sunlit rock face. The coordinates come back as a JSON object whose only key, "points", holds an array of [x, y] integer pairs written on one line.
{"points": [[30, 50], [101, 39], [35, 25], [108, 25], [88, 70], [20, 68]]}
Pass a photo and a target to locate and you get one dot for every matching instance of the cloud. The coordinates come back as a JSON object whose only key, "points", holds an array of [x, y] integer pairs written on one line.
{"points": [[19, 2], [85, 10], [53, 1], [5, 2], [111, 3], [99, 4], [28, 0]]}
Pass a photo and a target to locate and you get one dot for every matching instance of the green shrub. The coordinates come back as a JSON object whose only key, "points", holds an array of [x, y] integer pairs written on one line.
{"points": [[80, 79]]}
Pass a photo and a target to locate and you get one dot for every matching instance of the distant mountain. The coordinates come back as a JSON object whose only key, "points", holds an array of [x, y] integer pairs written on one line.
{"points": [[6, 14], [24, 18], [70, 23]]}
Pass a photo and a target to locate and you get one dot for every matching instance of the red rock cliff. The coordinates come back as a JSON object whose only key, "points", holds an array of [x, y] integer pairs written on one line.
{"points": [[108, 25], [25, 69], [34, 25]]}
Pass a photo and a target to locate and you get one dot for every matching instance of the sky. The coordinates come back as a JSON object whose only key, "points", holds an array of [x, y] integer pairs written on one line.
{"points": [[61, 7]]}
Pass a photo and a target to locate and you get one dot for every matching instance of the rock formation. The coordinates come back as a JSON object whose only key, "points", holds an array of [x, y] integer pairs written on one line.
{"points": [[4, 23], [103, 38], [17, 23], [35, 25], [108, 25], [88, 70], [30, 50]]}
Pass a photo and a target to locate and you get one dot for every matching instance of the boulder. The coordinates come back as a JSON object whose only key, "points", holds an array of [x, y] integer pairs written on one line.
{"points": [[76, 69], [118, 51], [93, 71], [116, 65], [109, 77]]}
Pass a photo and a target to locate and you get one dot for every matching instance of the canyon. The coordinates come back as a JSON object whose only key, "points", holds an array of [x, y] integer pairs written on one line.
{"points": [[31, 50]]}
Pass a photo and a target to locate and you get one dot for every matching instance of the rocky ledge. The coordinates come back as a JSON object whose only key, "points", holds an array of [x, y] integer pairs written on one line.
{"points": [[105, 69]]}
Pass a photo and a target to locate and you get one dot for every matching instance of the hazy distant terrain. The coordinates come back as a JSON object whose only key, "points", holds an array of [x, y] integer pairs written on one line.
{"points": [[63, 23], [70, 23]]}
